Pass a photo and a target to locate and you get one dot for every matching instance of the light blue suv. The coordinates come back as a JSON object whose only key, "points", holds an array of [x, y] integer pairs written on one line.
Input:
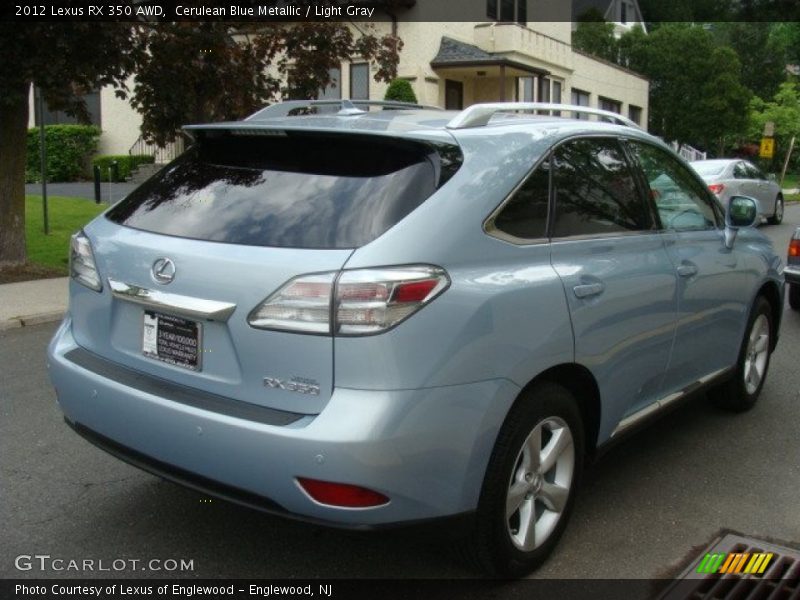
{"points": [[370, 318]]}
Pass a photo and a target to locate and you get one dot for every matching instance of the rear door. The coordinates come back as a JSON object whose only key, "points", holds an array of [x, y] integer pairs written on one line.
{"points": [[186, 257], [618, 280]]}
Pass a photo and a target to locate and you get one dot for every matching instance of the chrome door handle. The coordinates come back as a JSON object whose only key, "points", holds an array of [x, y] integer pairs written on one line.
{"points": [[589, 289], [687, 270]]}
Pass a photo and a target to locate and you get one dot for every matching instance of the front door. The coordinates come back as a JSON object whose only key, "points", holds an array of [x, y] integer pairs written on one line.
{"points": [[714, 286], [453, 94]]}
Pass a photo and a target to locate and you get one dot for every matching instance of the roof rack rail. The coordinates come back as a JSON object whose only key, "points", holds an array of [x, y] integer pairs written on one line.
{"points": [[346, 107], [478, 115]]}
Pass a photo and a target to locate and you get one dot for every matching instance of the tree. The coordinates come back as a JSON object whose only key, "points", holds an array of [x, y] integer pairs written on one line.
{"points": [[191, 73], [698, 99], [596, 38], [763, 51], [400, 90], [783, 110], [63, 60]]}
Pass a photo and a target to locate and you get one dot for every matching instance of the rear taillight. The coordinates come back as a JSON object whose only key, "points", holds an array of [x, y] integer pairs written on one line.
{"points": [[794, 248], [82, 267], [717, 188], [359, 302], [341, 494]]}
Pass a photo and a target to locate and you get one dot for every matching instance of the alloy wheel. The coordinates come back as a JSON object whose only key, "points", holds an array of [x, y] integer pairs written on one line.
{"points": [[540, 483]]}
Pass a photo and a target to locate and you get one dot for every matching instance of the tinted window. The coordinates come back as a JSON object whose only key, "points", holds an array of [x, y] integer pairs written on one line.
{"points": [[753, 172], [682, 201], [525, 215], [291, 191], [595, 192]]}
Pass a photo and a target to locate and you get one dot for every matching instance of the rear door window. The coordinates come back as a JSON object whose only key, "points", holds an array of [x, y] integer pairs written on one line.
{"points": [[595, 192], [289, 190]]}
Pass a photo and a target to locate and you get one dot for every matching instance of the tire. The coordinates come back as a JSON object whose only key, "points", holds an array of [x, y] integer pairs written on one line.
{"points": [[794, 296], [741, 391], [777, 216], [540, 499]]}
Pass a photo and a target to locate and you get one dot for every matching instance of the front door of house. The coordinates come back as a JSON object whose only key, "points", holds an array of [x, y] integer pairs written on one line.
{"points": [[453, 95]]}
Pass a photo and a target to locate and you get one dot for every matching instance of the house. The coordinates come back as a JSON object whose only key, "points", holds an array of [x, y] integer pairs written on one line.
{"points": [[624, 14], [504, 57]]}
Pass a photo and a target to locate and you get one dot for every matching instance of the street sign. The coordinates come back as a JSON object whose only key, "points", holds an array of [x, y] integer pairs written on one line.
{"points": [[767, 149], [769, 129]]}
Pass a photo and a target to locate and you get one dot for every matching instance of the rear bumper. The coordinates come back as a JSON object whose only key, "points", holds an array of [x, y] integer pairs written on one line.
{"points": [[426, 449], [791, 274]]}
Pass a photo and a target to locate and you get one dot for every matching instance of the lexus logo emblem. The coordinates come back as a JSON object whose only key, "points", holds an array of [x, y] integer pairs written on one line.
{"points": [[163, 270]]}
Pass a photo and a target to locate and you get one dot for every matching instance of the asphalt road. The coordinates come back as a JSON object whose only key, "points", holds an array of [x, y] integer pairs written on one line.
{"points": [[640, 511]]}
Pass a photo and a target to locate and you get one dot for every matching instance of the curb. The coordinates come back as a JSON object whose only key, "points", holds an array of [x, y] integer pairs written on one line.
{"points": [[29, 320]]}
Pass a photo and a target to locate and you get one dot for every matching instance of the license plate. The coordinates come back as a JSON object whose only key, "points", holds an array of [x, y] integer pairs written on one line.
{"points": [[171, 339]]}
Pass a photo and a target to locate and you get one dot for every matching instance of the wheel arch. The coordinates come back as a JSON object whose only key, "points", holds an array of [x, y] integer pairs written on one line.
{"points": [[770, 292], [580, 382]]}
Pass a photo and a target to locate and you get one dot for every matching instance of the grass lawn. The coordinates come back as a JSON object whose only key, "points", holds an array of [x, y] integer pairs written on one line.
{"points": [[66, 216]]}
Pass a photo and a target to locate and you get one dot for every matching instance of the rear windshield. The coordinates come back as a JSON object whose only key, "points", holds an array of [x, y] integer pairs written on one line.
{"points": [[709, 168], [296, 190]]}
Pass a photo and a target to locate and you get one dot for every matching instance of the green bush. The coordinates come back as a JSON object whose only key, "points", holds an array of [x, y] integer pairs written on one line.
{"points": [[126, 163], [68, 150], [400, 90]]}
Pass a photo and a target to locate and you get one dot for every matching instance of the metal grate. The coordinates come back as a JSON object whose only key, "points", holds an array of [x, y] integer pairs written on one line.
{"points": [[780, 579]]}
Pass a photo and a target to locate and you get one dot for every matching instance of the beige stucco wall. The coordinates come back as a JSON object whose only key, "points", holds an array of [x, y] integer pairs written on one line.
{"points": [[119, 122], [602, 79]]}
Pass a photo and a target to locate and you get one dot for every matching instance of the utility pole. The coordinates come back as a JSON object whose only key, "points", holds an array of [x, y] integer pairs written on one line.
{"points": [[43, 155]]}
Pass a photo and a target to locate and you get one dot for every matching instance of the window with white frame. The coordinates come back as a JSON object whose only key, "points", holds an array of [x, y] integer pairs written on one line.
{"points": [[359, 81], [580, 98], [507, 11], [333, 91]]}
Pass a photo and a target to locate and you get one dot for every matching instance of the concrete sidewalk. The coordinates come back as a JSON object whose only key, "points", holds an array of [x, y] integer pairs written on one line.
{"points": [[33, 302]]}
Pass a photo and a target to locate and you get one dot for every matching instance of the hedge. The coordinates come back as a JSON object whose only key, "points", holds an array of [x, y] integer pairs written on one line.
{"points": [[68, 150], [400, 90], [126, 163]]}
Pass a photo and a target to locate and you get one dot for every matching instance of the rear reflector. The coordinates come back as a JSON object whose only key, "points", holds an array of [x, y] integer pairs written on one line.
{"points": [[341, 494], [794, 248], [717, 188]]}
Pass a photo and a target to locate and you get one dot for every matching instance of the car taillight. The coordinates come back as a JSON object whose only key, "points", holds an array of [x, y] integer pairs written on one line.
{"points": [[794, 247], [717, 188], [341, 494], [82, 267], [359, 302]]}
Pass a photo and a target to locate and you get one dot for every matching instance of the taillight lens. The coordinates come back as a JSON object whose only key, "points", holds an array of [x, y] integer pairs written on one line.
{"points": [[717, 188], [82, 266], [303, 304], [794, 248], [360, 302]]}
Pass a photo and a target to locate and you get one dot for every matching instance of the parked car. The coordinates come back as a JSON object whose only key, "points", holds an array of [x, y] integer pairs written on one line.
{"points": [[792, 270], [728, 177], [384, 317]]}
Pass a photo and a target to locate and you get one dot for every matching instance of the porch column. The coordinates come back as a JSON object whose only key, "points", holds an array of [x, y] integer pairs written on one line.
{"points": [[502, 83]]}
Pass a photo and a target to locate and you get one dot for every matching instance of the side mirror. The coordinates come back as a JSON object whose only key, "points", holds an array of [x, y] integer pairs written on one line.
{"points": [[742, 212]]}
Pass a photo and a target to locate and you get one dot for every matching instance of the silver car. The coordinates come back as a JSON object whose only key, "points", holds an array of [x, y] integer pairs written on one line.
{"points": [[728, 177], [376, 318]]}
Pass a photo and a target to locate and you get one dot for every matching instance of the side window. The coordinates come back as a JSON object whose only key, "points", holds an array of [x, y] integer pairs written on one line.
{"points": [[682, 201], [525, 215], [595, 191], [753, 172], [739, 171]]}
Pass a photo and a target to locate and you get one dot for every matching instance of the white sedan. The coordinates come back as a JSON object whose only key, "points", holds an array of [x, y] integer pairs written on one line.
{"points": [[728, 177]]}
